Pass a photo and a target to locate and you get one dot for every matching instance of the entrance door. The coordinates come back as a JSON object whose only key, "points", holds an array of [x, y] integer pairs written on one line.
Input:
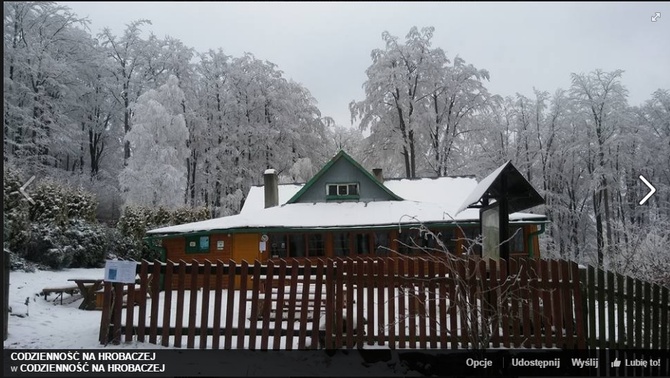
{"points": [[245, 247]]}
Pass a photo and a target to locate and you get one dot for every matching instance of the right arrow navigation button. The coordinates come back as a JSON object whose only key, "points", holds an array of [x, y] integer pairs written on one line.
{"points": [[653, 190]]}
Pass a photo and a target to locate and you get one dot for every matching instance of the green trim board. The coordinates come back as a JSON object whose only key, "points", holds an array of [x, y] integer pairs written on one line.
{"points": [[326, 229], [341, 155]]}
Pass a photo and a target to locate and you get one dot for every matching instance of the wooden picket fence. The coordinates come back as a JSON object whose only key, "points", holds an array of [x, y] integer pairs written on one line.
{"points": [[624, 313], [396, 303]]}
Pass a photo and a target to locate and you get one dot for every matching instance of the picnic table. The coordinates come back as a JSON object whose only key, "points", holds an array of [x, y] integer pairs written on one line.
{"points": [[87, 288]]}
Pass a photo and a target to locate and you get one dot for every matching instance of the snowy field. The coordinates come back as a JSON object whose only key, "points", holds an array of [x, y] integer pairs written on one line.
{"points": [[36, 323]]}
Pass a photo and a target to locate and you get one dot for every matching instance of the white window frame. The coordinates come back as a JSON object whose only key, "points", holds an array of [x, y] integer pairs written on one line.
{"points": [[346, 186]]}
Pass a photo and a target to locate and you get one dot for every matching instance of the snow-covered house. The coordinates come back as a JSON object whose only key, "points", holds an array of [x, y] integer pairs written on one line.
{"points": [[344, 210]]}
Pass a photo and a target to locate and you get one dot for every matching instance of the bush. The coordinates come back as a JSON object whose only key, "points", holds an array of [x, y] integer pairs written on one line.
{"points": [[57, 204], [79, 244], [88, 243], [136, 220], [46, 245]]}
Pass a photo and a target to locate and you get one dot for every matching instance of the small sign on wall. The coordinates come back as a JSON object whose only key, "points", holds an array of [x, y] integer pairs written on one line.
{"points": [[219, 245], [120, 271], [262, 246]]}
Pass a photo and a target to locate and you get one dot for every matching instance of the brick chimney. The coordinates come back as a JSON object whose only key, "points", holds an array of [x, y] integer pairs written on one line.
{"points": [[377, 172], [271, 186]]}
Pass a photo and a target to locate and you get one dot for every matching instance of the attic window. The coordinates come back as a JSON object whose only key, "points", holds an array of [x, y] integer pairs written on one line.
{"points": [[342, 191]]}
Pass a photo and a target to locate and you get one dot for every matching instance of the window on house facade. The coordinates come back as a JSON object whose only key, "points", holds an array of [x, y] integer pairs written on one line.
{"points": [[342, 191], [448, 238], [362, 244], [296, 245], [407, 242], [278, 246], [341, 244], [471, 242], [316, 244], [516, 245], [382, 243]]}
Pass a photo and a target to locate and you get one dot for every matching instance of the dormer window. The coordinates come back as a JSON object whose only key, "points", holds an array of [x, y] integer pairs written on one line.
{"points": [[342, 191]]}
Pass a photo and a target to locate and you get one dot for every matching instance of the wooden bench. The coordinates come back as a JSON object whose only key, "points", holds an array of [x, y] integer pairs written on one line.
{"points": [[72, 290], [137, 297]]}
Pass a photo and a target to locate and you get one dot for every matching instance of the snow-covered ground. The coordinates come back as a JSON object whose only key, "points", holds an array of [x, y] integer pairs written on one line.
{"points": [[36, 323]]}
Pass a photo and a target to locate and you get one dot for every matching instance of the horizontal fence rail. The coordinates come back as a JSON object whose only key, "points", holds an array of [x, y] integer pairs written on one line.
{"points": [[397, 303]]}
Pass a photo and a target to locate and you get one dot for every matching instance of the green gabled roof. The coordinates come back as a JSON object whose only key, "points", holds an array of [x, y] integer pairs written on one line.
{"points": [[341, 155]]}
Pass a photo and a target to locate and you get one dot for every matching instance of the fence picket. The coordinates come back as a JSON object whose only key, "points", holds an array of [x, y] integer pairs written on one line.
{"points": [[535, 294], [402, 296], [204, 321], [630, 312], [433, 325], [578, 303], [620, 311], [412, 294], [279, 310], [348, 291], [179, 316], [339, 304], [167, 306], [665, 302], [567, 297], [494, 287], [293, 302], [611, 300], [557, 304], [193, 303], [267, 306], [216, 320], [638, 314], [374, 269], [392, 320], [421, 302], [256, 308], [302, 331], [360, 299], [242, 303], [142, 311], [330, 298], [655, 318], [230, 299], [318, 299], [525, 302]]}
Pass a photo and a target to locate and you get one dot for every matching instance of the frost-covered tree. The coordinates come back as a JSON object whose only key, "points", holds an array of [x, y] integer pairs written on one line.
{"points": [[601, 102], [418, 105], [42, 48], [156, 170], [396, 89]]}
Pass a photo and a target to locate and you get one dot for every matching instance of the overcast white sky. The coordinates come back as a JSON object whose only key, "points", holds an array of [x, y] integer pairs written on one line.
{"points": [[326, 46]]}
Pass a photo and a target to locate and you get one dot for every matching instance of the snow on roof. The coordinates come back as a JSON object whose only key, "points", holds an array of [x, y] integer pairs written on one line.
{"points": [[481, 188], [339, 215], [446, 190], [256, 196]]}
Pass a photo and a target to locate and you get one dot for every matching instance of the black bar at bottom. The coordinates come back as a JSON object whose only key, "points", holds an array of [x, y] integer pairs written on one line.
{"points": [[131, 361]]}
